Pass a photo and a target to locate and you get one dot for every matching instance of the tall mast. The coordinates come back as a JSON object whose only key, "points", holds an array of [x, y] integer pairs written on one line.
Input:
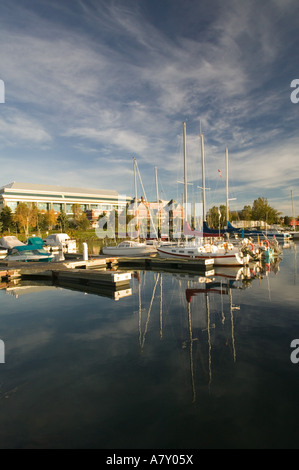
{"points": [[203, 178], [158, 202], [135, 186], [185, 170], [227, 208], [293, 213]]}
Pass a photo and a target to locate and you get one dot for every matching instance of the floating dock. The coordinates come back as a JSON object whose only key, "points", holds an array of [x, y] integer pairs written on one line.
{"points": [[99, 270], [167, 264]]}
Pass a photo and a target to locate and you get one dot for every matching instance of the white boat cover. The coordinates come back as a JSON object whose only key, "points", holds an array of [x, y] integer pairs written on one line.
{"points": [[9, 242]]}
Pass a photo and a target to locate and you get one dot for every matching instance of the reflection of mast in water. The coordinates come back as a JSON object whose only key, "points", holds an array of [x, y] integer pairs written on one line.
{"points": [[161, 313], [232, 308], [142, 336], [222, 289], [209, 337], [191, 350]]}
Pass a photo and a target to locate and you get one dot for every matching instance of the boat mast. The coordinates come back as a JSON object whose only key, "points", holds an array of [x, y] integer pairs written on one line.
{"points": [[227, 208], [185, 170], [158, 202], [135, 201], [293, 213], [203, 178]]}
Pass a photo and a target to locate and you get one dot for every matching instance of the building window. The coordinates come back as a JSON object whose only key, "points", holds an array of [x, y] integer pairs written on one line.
{"points": [[12, 205], [44, 206], [57, 207], [69, 209]]}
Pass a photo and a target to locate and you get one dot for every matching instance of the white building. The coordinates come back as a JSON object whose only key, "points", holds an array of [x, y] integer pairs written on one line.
{"points": [[60, 198]]}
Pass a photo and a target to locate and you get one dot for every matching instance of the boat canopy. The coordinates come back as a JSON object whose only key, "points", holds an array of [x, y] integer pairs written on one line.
{"points": [[10, 242], [35, 242]]}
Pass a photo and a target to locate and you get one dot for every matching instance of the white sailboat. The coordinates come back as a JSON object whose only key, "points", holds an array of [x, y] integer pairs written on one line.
{"points": [[295, 235], [224, 254], [130, 247]]}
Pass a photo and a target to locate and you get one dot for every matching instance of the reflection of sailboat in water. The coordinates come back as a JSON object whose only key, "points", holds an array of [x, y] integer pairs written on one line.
{"points": [[144, 329], [223, 286]]}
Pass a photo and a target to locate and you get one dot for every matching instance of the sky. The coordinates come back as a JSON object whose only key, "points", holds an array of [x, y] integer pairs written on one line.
{"points": [[90, 84]]}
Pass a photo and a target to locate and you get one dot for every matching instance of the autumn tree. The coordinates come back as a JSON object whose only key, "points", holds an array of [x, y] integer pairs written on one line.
{"points": [[26, 216], [50, 219]]}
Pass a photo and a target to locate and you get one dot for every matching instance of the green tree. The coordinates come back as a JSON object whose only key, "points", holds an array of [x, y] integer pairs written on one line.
{"points": [[261, 210], [7, 220], [246, 213], [213, 217], [63, 221], [287, 220], [83, 222]]}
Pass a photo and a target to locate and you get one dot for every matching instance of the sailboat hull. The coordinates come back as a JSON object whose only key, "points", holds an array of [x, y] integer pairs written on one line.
{"points": [[220, 258]]}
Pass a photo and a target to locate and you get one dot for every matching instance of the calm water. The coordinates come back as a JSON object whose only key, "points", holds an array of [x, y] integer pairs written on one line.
{"points": [[172, 365]]}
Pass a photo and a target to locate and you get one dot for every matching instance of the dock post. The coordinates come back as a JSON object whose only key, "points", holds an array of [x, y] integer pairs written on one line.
{"points": [[85, 252]]}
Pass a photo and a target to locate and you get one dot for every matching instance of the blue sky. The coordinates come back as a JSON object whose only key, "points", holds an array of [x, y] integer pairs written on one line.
{"points": [[90, 84]]}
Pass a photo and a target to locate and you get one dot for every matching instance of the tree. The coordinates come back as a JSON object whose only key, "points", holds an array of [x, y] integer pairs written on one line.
{"points": [[63, 221], [213, 217], [77, 211], [261, 210], [287, 220], [6, 218], [26, 216], [246, 213], [50, 219], [83, 222]]}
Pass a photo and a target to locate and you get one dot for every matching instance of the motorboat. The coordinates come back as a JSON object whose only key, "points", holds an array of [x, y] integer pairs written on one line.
{"points": [[28, 253], [10, 242], [60, 241], [129, 248]]}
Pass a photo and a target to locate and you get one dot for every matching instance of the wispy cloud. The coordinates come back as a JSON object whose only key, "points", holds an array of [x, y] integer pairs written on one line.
{"points": [[102, 81]]}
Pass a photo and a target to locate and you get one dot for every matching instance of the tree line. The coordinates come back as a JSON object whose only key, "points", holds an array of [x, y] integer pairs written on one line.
{"points": [[260, 211], [28, 217]]}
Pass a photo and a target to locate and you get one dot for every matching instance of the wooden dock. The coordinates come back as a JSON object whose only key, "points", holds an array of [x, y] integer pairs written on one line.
{"points": [[167, 264], [98, 270]]}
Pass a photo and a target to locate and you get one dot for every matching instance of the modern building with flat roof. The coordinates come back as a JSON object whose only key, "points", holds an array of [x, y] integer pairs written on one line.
{"points": [[59, 198]]}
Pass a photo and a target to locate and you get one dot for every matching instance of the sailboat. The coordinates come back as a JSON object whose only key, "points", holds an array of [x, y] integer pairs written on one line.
{"points": [[230, 230], [295, 235], [224, 254], [130, 247]]}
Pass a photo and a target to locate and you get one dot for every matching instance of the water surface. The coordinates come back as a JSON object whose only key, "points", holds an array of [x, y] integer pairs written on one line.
{"points": [[180, 362]]}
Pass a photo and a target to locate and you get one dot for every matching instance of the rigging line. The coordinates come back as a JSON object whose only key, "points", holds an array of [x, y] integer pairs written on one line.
{"points": [[150, 210]]}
